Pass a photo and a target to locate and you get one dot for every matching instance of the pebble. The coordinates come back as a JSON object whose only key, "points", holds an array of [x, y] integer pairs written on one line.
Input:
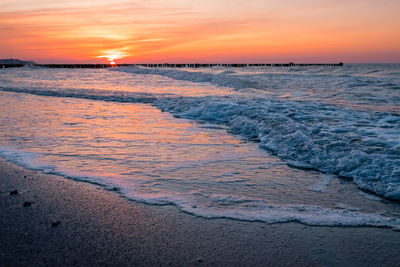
{"points": [[55, 224], [27, 204], [15, 192]]}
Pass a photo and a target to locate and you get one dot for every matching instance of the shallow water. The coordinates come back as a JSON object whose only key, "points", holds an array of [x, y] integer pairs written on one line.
{"points": [[107, 127]]}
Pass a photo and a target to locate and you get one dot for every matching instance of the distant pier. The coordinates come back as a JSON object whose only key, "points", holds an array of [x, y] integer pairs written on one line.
{"points": [[240, 65], [2, 66], [166, 65]]}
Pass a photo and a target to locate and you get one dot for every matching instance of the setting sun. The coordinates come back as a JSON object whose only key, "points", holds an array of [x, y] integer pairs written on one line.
{"points": [[112, 55]]}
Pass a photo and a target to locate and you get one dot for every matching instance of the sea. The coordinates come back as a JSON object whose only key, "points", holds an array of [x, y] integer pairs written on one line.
{"points": [[318, 145]]}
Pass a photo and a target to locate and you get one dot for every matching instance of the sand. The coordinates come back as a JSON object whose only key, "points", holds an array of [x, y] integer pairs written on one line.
{"points": [[76, 223]]}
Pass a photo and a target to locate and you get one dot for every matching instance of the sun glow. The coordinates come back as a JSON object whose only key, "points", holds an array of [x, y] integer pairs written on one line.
{"points": [[112, 55]]}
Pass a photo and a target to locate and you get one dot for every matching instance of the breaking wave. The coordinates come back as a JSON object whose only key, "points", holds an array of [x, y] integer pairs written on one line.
{"points": [[302, 128], [364, 146]]}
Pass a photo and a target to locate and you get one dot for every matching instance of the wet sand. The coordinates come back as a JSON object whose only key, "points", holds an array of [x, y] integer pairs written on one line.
{"points": [[75, 223]]}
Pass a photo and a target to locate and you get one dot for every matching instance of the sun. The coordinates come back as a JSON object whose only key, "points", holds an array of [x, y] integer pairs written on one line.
{"points": [[112, 55]]}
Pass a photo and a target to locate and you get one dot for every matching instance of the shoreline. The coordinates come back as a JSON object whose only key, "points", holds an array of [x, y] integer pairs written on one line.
{"points": [[77, 223]]}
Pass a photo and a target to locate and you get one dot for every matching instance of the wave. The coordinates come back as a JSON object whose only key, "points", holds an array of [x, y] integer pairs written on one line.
{"points": [[104, 95], [218, 205], [220, 79], [363, 146], [248, 209], [273, 77], [358, 145]]}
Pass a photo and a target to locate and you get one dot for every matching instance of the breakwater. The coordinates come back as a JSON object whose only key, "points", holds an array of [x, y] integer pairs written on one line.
{"points": [[167, 65]]}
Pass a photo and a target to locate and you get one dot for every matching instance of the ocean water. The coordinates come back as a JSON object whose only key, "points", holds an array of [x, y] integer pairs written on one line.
{"points": [[317, 145]]}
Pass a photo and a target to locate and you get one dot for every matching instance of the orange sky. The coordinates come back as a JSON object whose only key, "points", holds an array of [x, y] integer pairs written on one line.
{"points": [[133, 31]]}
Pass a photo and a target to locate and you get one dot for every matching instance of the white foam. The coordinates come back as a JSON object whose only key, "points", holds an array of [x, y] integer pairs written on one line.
{"points": [[217, 205], [248, 209], [26, 159], [306, 138]]}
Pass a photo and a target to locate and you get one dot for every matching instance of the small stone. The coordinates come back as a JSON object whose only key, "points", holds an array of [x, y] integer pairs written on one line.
{"points": [[55, 224], [15, 192], [27, 204], [200, 260]]}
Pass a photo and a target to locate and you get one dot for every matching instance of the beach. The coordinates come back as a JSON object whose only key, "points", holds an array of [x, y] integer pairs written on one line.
{"points": [[199, 133], [98, 227]]}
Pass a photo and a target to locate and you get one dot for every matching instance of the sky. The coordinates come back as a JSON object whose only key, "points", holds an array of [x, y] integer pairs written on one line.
{"points": [[200, 31]]}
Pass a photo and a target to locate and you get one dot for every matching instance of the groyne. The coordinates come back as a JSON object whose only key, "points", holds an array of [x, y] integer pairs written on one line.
{"points": [[167, 65]]}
